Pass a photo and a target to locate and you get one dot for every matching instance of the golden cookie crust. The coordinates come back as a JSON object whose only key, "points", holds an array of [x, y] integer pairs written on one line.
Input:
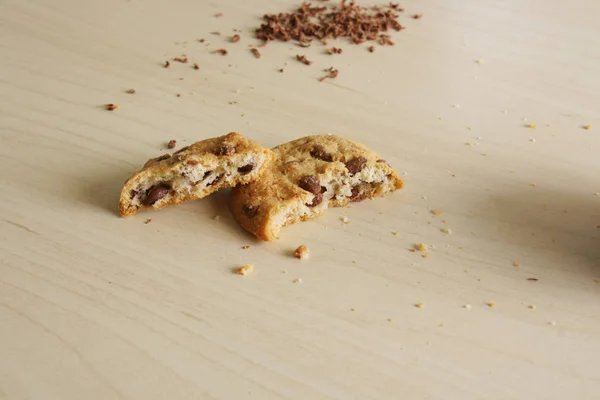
{"points": [[194, 172], [307, 176]]}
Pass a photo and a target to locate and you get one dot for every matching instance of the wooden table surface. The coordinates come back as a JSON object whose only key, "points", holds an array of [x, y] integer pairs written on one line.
{"points": [[93, 306]]}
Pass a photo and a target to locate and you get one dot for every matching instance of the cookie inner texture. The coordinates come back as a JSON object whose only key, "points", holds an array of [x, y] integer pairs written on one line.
{"points": [[190, 179], [335, 190]]}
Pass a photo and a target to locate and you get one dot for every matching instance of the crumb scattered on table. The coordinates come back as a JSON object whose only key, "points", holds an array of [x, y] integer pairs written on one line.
{"points": [[420, 305], [480, 61], [446, 231], [255, 52], [467, 306], [553, 323], [148, 221], [235, 38], [172, 143], [222, 52], [196, 66], [395, 233], [182, 60], [533, 279], [516, 264], [245, 269], [303, 59], [298, 280], [111, 107], [422, 247], [532, 126], [130, 91], [436, 211], [345, 220], [491, 304], [301, 252], [532, 307], [587, 127]]}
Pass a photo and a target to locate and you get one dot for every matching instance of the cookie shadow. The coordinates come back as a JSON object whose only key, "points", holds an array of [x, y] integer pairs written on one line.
{"points": [[104, 192]]}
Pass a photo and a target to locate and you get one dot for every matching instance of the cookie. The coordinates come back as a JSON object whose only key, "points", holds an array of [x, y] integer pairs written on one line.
{"points": [[194, 172], [306, 177]]}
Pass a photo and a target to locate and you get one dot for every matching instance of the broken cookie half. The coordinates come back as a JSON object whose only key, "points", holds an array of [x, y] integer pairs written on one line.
{"points": [[306, 177], [194, 172]]}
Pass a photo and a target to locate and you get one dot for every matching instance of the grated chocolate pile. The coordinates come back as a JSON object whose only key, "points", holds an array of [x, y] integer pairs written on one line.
{"points": [[348, 20]]}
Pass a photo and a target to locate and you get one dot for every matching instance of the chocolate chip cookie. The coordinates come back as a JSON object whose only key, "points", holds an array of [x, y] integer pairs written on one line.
{"points": [[194, 172], [306, 177]]}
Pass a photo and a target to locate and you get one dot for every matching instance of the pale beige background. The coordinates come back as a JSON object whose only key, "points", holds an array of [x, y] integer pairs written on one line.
{"points": [[97, 307]]}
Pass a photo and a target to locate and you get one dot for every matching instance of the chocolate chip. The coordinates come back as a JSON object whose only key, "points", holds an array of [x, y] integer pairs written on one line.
{"points": [[319, 152], [310, 183], [246, 168], [182, 149], [356, 165], [316, 200], [156, 193], [250, 211], [357, 195], [225, 150], [132, 194], [217, 179]]}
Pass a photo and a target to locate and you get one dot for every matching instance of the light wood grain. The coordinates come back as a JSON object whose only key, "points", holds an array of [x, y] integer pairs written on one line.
{"points": [[93, 306]]}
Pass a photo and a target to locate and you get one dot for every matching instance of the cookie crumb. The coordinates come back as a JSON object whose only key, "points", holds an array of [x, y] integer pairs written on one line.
{"points": [[553, 323], [532, 126], [395, 233], [467, 306], [353, 309], [480, 61], [245, 247], [196, 66], [587, 127], [532, 307], [533, 279], [167, 64], [222, 52], [172, 143], [245, 269], [345, 220], [235, 38], [182, 60], [516, 264], [436, 211], [148, 221], [417, 16], [389, 320], [130, 91], [597, 280], [491, 304], [446, 231], [420, 305], [301, 252], [298, 280], [422, 247], [371, 49]]}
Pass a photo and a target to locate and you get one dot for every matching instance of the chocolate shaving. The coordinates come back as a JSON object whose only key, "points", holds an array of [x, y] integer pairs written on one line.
{"points": [[235, 38], [333, 73], [167, 64], [347, 20], [182, 60], [417, 16], [255, 52], [222, 52], [334, 50], [196, 66], [303, 59]]}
